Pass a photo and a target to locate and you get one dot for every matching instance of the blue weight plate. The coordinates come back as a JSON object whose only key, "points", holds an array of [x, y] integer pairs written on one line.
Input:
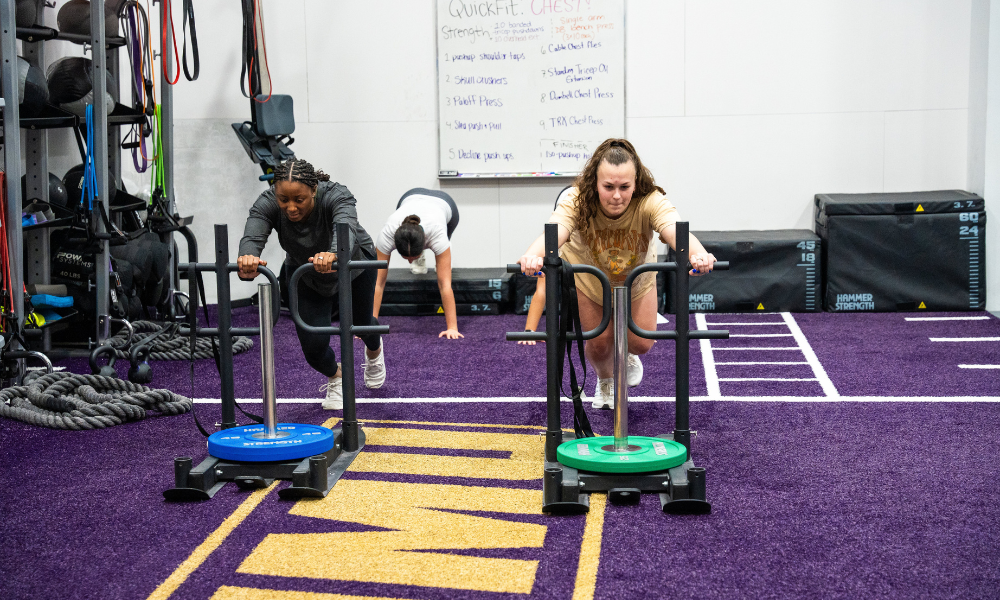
{"points": [[238, 443]]}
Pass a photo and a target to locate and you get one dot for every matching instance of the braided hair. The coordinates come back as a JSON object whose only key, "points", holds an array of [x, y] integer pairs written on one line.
{"points": [[616, 152], [300, 171], [409, 238]]}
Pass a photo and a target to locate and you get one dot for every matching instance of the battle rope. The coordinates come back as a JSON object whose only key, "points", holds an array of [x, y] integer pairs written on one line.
{"points": [[70, 401], [171, 347]]}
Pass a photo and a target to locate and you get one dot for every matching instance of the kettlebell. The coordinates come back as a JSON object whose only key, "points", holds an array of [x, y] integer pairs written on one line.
{"points": [[140, 372], [107, 370]]}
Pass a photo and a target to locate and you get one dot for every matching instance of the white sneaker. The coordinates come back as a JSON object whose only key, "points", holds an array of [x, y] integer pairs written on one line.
{"points": [[419, 266], [634, 372], [604, 395], [375, 368], [334, 389]]}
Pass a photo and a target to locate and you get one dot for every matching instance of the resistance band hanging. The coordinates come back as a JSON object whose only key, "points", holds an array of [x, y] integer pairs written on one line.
{"points": [[249, 79], [135, 24], [88, 189], [158, 181], [189, 18], [8, 320], [89, 186], [569, 320], [169, 25]]}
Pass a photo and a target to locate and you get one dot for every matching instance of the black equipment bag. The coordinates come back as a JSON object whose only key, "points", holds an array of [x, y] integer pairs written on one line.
{"points": [[903, 251], [769, 271]]}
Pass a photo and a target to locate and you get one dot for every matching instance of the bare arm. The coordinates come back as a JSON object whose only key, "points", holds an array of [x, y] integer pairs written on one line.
{"points": [[702, 261], [535, 310], [442, 267], [531, 262], [380, 281]]}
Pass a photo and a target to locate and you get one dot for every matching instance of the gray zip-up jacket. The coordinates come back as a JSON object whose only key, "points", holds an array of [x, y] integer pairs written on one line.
{"points": [[317, 233]]}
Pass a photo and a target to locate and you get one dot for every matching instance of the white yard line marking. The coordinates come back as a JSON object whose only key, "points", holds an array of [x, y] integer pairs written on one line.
{"points": [[756, 335], [720, 349], [779, 323], [708, 360], [509, 400], [981, 318], [760, 362], [979, 366], [970, 339], [767, 379], [824, 380]]}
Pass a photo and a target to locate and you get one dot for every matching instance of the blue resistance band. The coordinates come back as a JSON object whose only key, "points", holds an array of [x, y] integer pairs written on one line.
{"points": [[89, 187]]}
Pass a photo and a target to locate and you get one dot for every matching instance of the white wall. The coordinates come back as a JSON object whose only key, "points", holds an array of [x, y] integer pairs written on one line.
{"points": [[742, 110], [991, 160]]}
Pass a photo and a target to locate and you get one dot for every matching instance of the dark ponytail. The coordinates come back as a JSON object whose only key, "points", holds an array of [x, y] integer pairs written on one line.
{"points": [[409, 238]]}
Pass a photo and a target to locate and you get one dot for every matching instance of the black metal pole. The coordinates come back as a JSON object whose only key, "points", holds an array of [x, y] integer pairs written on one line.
{"points": [[350, 424], [682, 432], [553, 436], [225, 319]]}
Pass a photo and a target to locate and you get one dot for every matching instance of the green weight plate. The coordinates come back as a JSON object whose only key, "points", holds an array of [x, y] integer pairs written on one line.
{"points": [[654, 454]]}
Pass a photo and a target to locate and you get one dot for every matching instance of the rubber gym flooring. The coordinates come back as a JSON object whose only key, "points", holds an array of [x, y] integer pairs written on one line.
{"points": [[848, 456]]}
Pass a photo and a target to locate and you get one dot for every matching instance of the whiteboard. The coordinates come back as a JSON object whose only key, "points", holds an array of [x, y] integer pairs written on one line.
{"points": [[528, 87]]}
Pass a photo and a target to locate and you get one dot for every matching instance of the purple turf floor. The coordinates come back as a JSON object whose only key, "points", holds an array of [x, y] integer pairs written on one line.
{"points": [[811, 499], [875, 354]]}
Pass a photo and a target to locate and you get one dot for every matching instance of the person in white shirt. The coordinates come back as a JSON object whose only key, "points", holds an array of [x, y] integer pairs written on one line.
{"points": [[423, 219]]}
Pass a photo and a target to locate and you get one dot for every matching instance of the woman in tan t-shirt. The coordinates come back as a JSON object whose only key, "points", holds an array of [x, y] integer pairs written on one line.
{"points": [[609, 221]]}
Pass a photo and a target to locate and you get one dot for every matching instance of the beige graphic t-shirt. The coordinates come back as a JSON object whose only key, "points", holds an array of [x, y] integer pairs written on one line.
{"points": [[615, 246]]}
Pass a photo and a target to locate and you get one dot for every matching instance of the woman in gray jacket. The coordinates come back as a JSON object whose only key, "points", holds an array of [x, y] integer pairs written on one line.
{"points": [[304, 206]]}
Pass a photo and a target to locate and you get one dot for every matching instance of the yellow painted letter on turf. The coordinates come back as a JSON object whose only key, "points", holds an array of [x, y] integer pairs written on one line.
{"points": [[522, 463], [414, 552]]}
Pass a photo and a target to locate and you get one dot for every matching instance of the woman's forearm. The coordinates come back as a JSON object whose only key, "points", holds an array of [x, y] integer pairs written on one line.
{"points": [[380, 279], [448, 304]]}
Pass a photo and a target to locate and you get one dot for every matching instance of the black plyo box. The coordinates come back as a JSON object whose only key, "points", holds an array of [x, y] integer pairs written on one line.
{"points": [[426, 310], [769, 271], [470, 286], [903, 251]]}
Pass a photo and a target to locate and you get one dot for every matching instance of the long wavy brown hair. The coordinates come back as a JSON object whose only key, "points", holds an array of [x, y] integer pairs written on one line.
{"points": [[615, 151]]}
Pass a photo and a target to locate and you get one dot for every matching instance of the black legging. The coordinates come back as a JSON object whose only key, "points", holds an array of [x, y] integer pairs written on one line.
{"points": [[317, 310]]}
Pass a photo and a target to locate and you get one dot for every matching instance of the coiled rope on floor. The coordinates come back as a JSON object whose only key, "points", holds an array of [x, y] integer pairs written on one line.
{"points": [[172, 346], [71, 401]]}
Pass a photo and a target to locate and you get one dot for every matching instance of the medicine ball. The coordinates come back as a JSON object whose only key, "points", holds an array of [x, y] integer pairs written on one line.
{"points": [[73, 182], [70, 86], [32, 90], [57, 191], [74, 17], [26, 13]]}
